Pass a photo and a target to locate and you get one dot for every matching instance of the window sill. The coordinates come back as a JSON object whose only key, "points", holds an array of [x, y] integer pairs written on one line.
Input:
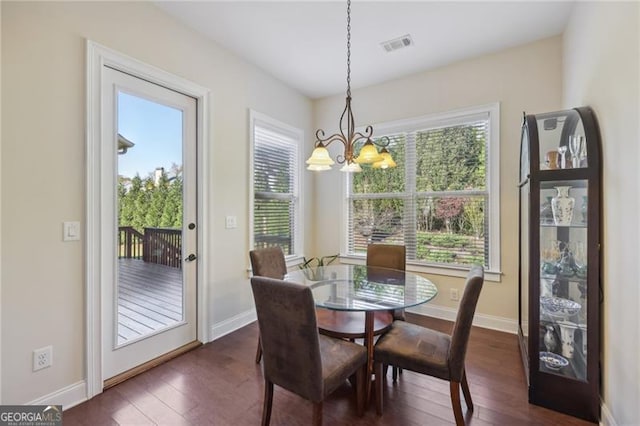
{"points": [[494, 276]]}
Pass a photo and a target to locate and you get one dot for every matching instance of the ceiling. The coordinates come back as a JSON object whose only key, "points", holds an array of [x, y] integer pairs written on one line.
{"points": [[303, 43]]}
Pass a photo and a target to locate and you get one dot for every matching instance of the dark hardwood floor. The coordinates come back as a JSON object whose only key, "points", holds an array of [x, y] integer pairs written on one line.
{"points": [[220, 384]]}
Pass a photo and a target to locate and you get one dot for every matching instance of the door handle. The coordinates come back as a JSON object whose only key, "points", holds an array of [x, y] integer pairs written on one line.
{"points": [[191, 257]]}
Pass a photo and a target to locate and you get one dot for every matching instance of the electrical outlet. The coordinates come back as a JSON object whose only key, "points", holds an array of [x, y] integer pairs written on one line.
{"points": [[42, 358], [453, 294]]}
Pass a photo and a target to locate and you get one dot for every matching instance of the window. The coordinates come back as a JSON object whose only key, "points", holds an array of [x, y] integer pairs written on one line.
{"points": [[442, 201], [275, 178]]}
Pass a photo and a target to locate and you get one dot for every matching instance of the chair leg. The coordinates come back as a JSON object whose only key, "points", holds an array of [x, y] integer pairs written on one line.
{"points": [[378, 369], [454, 388], [466, 392], [268, 400], [259, 351], [360, 386], [317, 413], [394, 373]]}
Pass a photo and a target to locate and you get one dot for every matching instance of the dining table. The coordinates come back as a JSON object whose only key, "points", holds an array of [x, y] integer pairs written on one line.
{"points": [[360, 288]]}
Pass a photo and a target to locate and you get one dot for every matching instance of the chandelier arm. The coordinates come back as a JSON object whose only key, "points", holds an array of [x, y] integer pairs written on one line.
{"points": [[346, 112], [382, 142], [368, 132], [358, 137], [351, 123], [326, 141], [319, 136]]}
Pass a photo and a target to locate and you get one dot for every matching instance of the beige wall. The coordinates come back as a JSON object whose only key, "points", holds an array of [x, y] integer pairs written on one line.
{"points": [[526, 78], [601, 69], [43, 169]]}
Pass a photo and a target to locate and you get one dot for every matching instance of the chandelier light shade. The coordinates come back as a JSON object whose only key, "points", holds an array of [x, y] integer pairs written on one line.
{"points": [[320, 159], [386, 162]]}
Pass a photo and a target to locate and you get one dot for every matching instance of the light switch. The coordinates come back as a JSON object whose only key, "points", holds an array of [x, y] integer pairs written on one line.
{"points": [[71, 231], [231, 222]]}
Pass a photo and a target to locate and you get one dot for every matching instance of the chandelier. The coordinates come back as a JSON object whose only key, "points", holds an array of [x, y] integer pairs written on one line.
{"points": [[320, 159]]}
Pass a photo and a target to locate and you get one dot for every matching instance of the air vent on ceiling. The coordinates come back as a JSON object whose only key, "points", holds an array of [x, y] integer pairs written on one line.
{"points": [[397, 43]]}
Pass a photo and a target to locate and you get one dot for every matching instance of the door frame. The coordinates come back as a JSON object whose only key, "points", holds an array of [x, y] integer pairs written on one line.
{"points": [[97, 57]]}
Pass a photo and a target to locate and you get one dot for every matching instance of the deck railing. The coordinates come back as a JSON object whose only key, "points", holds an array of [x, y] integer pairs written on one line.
{"points": [[130, 243], [162, 246]]}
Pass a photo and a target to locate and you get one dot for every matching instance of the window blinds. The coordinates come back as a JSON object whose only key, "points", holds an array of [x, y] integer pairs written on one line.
{"points": [[275, 165], [435, 202]]}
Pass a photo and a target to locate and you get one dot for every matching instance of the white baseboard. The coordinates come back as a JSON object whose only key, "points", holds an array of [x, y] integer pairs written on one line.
{"points": [[68, 397], [606, 418], [491, 322], [232, 324]]}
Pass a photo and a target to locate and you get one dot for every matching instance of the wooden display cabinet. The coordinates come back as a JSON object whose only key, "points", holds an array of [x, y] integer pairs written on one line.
{"points": [[559, 275]]}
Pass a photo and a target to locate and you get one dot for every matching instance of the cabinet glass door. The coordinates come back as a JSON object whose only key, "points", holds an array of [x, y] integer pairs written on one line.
{"points": [[562, 141], [563, 278]]}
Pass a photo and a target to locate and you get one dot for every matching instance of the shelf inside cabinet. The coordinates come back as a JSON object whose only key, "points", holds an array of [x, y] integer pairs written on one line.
{"points": [[573, 225], [572, 278], [578, 183]]}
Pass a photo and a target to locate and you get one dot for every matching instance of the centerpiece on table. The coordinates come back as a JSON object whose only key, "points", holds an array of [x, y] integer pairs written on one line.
{"points": [[312, 268]]}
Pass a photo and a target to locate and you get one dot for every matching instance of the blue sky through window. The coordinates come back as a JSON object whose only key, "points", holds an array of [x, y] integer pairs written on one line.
{"points": [[156, 131]]}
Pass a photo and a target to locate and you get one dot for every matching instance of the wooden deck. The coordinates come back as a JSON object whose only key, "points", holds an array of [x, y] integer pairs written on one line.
{"points": [[149, 298]]}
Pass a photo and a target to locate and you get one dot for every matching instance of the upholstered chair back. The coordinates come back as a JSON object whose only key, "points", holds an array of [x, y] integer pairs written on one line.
{"points": [[464, 320], [268, 262], [387, 256], [289, 333]]}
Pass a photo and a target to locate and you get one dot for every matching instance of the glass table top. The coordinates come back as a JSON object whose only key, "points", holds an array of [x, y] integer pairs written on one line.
{"points": [[362, 288]]}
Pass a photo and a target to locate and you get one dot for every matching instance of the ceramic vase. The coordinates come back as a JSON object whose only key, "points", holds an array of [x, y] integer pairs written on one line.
{"points": [[567, 336], [550, 339], [562, 206]]}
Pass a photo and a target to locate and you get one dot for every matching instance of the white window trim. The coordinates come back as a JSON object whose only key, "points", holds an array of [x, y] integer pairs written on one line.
{"points": [[493, 272], [254, 116]]}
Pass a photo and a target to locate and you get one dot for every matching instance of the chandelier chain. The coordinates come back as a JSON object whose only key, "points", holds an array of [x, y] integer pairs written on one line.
{"points": [[349, 48]]}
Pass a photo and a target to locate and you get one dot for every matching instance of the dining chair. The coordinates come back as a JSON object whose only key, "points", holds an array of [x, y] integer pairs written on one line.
{"points": [[391, 256], [431, 352], [296, 357], [267, 262]]}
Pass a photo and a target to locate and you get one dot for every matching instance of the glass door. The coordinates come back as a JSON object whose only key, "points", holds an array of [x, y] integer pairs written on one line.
{"points": [[150, 206], [563, 278], [149, 298]]}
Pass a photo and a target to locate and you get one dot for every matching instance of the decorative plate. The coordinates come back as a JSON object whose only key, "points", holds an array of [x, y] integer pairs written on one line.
{"points": [[559, 307], [553, 361]]}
